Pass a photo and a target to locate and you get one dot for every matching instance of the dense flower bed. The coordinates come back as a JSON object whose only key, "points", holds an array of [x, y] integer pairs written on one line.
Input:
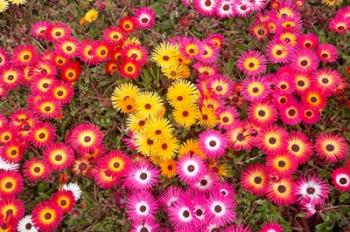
{"points": [[181, 136]]}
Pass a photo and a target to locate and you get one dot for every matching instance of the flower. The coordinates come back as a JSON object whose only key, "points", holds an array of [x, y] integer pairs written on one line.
{"points": [[140, 205], [331, 147], [18, 2], [254, 179], [213, 143], [3, 5], [190, 168], [46, 216], [252, 63], [85, 137], [145, 17], [281, 192], [11, 183], [341, 179], [312, 189], [26, 225], [90, 16]]}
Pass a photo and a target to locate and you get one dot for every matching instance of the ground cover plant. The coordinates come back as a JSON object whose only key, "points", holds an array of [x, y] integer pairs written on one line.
{"points": [[203, 115]]}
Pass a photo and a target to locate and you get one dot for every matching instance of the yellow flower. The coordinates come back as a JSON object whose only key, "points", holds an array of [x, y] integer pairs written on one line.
{"points": [[191, 146], [91, 15], [158, 128], [168, 168], [124, 97], [18, 2], [208, 117], [3, 5], [166, 149], [145, 145], [332, 2], [166, 55], [178, 71], [186, 115], [148, 104], [136, 122], [131, 41], [182, 93]]}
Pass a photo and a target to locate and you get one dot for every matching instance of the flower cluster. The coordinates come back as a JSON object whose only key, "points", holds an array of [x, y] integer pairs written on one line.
{"points": [[4, 4], [226, 8], [340, 23]]}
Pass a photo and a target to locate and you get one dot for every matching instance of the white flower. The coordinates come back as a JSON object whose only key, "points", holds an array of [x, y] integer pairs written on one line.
{"points": [[26, 225], [74, 188]]}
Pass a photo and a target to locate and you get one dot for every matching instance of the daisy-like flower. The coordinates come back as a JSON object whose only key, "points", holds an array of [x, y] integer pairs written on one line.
{"points": [[331, 3], [58, 31], [290, 113], [331, 147], [85, 137], [115, 163], [90, 16], [206, 183], [166, 149], [58, 156], [281, 191], [252, 63], [216, 40], [62, 92], [341, 179], [224, 9], [4, 58], [302, 81], [327, 53], [220, 86], [101, 51], [124, 97], [299, 146], [12, 152], [4, 165], [42, 134], [145, 17], [26, 225], [326, 80], [47, 108], [182, 93], [46, 216], [74, 188], [309, 41], [282, 164], [220, 209], [129, 69], [309, 115], [191, 146], [208, 54], [158, 128], [148, 104], [135, 52], [11, 209], [114, 35], [136, 122], [304, 60], [18, 2], [141, 205], [128, 24], [103, 178], [176, 72], [190, 168], [165, 55], [254, 179], [262, 113], [4, 5], [41, 85], [271, 227], [11, 183], [213, 143], [312, 189], [142, 176], [70, 72], [205, 7], [272, 139], [228, 117], [170, 196], [39, 29], [279, 52], [255, 89], [190, 48], [24, 55], [339, 25], [259, 31], [240, 138], [148, 224], [35, 170], [10, 77], [64, 200]]}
